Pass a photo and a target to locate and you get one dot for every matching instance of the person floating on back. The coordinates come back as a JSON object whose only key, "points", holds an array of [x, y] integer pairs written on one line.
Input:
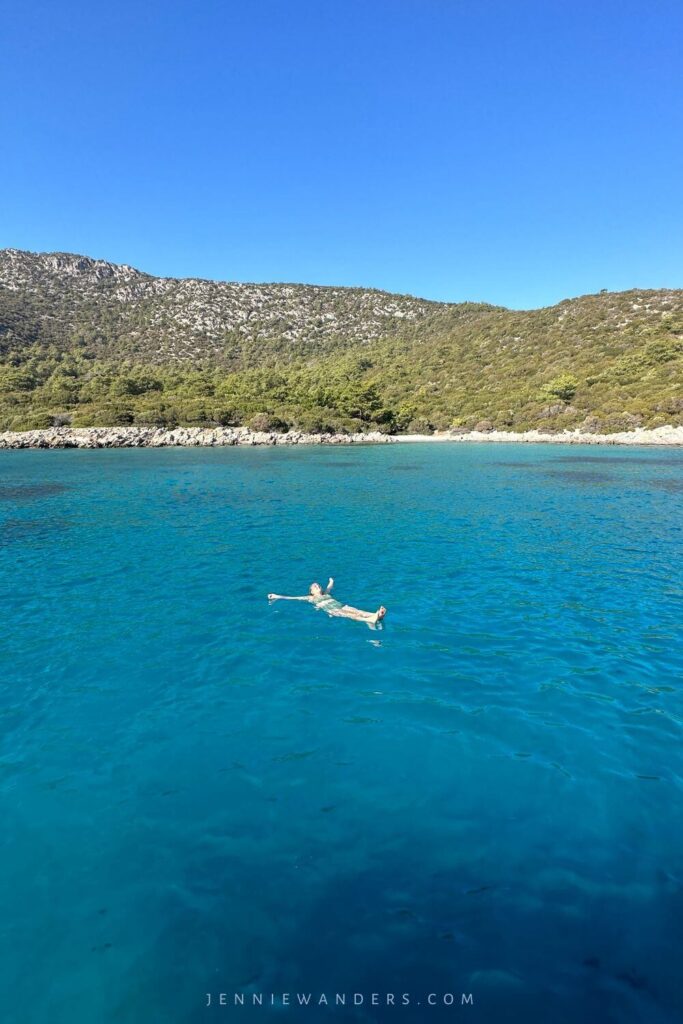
{"points": [[323, 600]]}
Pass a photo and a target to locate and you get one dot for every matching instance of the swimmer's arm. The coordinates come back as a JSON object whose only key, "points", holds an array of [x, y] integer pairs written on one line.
{"points": [[330, 584], [284, 597]]}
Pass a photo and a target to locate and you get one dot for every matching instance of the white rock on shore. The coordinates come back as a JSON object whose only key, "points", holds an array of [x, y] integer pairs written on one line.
{"points": [[182, 437], [189, 437]]}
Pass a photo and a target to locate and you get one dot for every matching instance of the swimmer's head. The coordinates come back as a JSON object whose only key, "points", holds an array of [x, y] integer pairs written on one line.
{"points": [[315, 590]]}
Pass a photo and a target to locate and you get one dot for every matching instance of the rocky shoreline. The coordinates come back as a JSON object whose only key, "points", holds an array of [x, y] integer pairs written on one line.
{"points": [[179, 437], [216, 437]]}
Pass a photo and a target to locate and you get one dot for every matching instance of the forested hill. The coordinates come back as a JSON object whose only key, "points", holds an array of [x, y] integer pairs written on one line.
{"points": [[95, 343]]}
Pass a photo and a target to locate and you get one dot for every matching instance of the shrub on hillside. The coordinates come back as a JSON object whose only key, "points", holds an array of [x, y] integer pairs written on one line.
{"points": [[107, 416], [32, 421], [226, 416], [420, 425], [267, 422], [563, 387], [14, 378]]}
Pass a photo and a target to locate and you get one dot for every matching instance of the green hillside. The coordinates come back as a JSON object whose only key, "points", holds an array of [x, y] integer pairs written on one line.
{"points": [[93, 343]]}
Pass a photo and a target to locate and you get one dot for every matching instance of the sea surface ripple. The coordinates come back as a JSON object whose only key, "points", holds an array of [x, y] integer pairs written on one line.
{"points": [[201, 792]]}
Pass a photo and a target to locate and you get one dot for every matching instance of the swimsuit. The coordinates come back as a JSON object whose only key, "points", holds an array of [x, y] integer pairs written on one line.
{"points": [[328, 604]]}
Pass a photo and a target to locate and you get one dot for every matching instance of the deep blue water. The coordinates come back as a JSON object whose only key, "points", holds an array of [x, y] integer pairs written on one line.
{"points": [[200, 792]]}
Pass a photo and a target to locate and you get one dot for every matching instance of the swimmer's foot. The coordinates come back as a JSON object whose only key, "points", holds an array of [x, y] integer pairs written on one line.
{"points": [[380, 613]]}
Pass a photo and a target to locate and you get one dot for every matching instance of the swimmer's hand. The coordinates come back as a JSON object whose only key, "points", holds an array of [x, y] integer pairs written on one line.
{"points": [[330, 584]]}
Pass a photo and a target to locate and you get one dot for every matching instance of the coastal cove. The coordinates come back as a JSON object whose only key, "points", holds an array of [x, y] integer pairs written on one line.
{"points": [[87, 343], [202, 792], [217, 437], [341, 513]]}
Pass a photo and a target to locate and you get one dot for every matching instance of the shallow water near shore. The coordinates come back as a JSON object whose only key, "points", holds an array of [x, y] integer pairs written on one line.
{"points": [[202, 792]]}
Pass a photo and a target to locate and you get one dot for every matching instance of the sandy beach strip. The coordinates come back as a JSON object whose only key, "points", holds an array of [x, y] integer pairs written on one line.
{"points": [[672, 436]]}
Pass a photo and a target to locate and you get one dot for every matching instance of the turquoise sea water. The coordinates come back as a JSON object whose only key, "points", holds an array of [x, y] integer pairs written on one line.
{"points": [[200, 792]]}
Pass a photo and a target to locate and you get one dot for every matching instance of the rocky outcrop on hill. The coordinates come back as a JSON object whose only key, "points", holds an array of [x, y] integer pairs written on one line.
{"points": [[124, 312]]}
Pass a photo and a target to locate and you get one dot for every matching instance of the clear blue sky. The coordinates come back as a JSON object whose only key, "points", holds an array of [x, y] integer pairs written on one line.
{"points": [[514, 151]]}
